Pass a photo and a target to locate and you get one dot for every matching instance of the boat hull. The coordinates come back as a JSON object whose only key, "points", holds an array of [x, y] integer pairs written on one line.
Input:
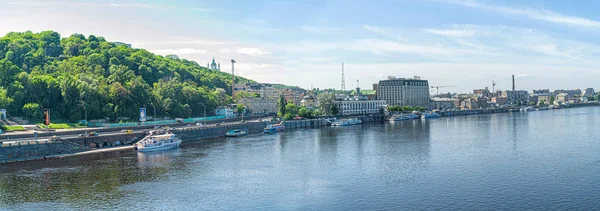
{"points": [[159, 148]]}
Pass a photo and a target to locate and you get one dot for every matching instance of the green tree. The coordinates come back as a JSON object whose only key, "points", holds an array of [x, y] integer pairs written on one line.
{"points": [[291, 108], [305, 112], [5, 101], [542, 103], [281, 104], [552, 100], [334, 110], [325, 101], [240, 109], [32, 110]]}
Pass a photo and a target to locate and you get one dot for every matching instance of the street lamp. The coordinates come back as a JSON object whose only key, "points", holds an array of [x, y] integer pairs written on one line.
{"points": [[204, 113]]}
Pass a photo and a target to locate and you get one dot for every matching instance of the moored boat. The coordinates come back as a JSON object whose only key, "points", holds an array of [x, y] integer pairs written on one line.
{"points": [[431, 115], [236, 133], [275, 128], [402, 117], [347, 122], [158, 142]]}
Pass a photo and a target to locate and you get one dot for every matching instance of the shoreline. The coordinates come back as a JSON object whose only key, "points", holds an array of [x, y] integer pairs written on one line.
{"points": [[130, 147]]}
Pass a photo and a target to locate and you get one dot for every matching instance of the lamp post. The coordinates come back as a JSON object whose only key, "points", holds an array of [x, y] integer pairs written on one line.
{"points": [[204, 113]]}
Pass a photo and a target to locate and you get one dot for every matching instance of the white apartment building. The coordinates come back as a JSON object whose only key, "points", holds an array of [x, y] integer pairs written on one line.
{"points": [[404, 92], [359, 104]]}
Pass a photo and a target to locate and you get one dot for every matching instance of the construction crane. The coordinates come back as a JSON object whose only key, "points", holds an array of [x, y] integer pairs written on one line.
{"points": [[437, 88]]}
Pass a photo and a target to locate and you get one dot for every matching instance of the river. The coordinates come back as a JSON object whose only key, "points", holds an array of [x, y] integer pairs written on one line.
{"points": [[511, 161]]}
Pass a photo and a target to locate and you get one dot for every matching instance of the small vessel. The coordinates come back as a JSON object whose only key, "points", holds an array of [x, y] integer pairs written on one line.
{"points": [[158, 142], [402, 117], [431, 115], [529, 108], [542, 108], [347, 122], [275, 128], [340, 123], [236, 133]]}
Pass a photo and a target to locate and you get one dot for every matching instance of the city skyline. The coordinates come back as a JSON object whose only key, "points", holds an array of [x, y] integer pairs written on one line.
{"points": [[467, 44]]}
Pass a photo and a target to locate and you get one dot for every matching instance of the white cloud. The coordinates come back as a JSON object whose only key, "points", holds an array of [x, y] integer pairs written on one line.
{"points": [[180, 51], [377, 30], [252, 51], [451, 33], [543, 15]]}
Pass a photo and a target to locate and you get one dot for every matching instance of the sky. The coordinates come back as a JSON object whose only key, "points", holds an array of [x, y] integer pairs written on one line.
{"points": [[462, 43]]}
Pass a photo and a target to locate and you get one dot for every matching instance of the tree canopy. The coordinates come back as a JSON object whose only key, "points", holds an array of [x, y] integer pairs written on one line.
{"points": [[110, 79]]}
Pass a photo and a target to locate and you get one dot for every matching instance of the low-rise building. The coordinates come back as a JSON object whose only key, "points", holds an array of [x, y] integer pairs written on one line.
{"points": [[359, 104], [441, 103], [469, 104], [500, 101], [309, 101], [482, 93], [225, 111], [260, 105], [516, 97], [572, 92], [561, 98]]}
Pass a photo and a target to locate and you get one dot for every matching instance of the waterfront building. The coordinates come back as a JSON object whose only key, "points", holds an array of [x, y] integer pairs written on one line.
{"points": [[259, 105], [589, 92], [309, 101], [482, 93], [541, 91], [225, 111], [469, 103], [544, 98], [572, 92], [441, 103], [500, 101], [359, 104], [404, 92], [214, 66], [516, 97], [561, 98]]}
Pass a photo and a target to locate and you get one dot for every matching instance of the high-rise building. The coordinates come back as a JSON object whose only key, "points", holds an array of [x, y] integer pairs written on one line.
{"points": [[404, 92]]}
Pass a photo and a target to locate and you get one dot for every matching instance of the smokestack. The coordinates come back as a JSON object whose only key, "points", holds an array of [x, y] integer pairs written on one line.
{"points": [[513, 78]]}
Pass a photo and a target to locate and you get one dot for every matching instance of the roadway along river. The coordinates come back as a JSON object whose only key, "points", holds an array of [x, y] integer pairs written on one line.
{"points": [[521, 161]]}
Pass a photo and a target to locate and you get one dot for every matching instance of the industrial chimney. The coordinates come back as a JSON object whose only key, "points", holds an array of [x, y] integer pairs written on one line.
{"points": [[513, 80]]}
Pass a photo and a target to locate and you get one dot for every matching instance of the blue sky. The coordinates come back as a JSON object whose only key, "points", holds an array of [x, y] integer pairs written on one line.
{"points": [[465, 43]]}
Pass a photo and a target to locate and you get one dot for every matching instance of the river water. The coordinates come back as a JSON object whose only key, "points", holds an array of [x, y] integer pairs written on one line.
{"points": [[513, 161]]}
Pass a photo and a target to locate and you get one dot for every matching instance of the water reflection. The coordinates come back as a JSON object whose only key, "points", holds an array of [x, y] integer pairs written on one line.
{"points": [[499, 161]]}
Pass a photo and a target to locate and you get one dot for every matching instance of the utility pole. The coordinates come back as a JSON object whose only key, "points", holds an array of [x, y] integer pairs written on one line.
{"points": [[493, 88]]}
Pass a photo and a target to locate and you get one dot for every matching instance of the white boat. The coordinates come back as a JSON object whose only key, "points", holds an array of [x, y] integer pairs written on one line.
{"points": [[236, 133], [158, 142], [431, 115], [347, 122], [529, 108], [340, 123], [402, 117]]}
